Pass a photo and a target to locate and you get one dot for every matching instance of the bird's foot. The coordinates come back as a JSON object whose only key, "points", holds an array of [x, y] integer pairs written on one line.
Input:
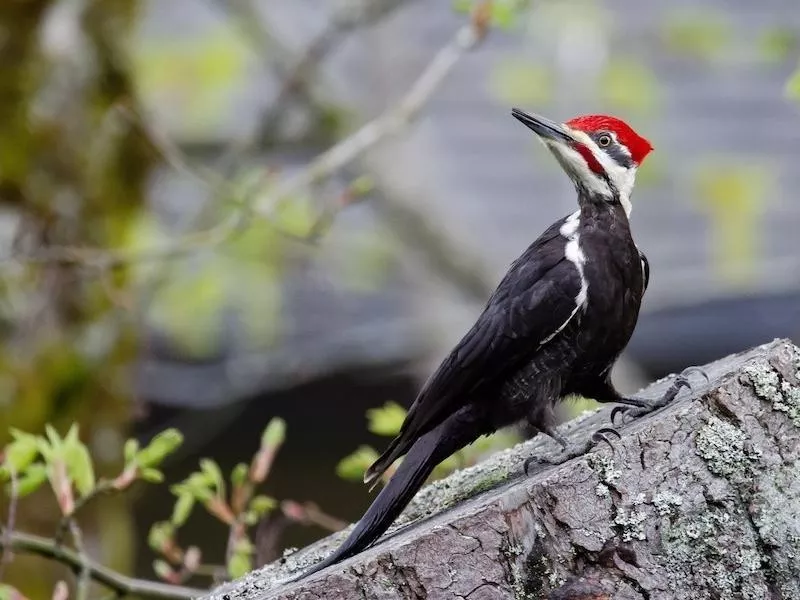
{"points": [[571, 450], [638, 407]]}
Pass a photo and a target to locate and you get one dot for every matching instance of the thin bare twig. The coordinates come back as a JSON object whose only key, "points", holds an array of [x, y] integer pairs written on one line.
{"points": [[391, 122], [103, 486], [121, 584], [84, 574], [11, 523]]}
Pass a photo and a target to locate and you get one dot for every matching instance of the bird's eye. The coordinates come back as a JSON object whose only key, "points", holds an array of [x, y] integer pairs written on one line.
{"points": [[604, 141]]}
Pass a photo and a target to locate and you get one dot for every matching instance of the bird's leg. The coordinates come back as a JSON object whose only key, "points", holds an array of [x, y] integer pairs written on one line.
{"points": [[544, 421], [636, 407]]}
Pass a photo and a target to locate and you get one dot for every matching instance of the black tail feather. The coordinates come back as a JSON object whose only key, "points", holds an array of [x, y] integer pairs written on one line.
{"points": [[454, 433]]}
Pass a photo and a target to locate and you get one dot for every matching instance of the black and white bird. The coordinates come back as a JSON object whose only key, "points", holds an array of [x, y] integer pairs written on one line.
{"points": [[553, 327]]}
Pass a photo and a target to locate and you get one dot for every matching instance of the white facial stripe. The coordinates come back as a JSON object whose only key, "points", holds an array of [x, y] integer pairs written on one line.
{"points": [[578, 169], [622, 178]]}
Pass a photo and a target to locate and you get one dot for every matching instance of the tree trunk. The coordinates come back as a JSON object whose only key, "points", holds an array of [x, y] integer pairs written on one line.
{"points": [[699, 500]]}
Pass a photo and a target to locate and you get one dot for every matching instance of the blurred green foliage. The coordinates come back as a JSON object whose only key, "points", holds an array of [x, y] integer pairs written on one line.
{"points": [[699, 33], [733, 193], [793, 86], [776, 44], [195, 73], [519, 82], [504, 13], [629, 86]]}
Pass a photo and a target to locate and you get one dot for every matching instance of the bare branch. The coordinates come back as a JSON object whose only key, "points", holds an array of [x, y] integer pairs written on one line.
{"points": [[391, 122], [8, 555], [121, 584], [84, 574]]}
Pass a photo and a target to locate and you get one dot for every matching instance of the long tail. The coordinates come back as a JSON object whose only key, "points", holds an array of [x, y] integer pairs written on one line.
{"points": [[454, 433]]}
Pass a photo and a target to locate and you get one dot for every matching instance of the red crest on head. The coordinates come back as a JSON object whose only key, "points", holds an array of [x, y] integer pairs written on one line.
{"points": [[638, 146]]}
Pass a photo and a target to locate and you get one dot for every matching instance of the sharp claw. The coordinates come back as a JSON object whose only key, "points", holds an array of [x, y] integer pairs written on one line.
{"points": [[526, 466], [689, 370], [602, 435], [609, 431]]}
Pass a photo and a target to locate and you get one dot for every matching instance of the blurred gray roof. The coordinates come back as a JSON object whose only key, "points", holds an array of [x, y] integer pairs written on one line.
{"points": [[477, 172]]}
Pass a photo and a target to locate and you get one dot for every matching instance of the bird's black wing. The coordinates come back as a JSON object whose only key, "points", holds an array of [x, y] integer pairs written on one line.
{"points": [[534, 301]]}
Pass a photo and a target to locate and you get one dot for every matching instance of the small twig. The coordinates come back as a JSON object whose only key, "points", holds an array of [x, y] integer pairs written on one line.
{"points": [[391, 122], [310, 514], [8, 555], [103, 486], [234, 535], [84, 575], [121, 584]]}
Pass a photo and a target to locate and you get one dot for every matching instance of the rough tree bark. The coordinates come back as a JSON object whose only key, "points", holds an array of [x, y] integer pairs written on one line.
{"points": [[699, 500]]}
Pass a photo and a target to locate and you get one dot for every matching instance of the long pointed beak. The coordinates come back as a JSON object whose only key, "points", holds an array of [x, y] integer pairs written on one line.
{"points": [[544, 128]]}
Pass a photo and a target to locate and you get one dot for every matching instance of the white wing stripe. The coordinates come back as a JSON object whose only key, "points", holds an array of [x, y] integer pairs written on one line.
{"points": [[575, 255]]}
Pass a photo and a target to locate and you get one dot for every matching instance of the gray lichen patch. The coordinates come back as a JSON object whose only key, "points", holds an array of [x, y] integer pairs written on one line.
{"points": [[775, 512], [771, 387], [607, 472], [667, 503], [726, 450], [715, 551], [631, 521]]}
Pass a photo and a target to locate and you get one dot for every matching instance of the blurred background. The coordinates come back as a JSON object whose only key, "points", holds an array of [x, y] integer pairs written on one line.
{"points": [[150, 279]]}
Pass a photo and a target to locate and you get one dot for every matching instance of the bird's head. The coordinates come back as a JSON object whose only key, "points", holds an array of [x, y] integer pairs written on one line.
{"points": [[599, 153]]}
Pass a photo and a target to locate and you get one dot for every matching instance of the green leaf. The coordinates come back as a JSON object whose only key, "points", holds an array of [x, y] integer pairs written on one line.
{"points": [[261, 505], [387, 419], [79, 465], [352, 467], [214, 473], [239, 474], [239, 565], [151, 475], [198, 485], [162, 569], [130, 450], [160, 535], [9, 592], [462, 6], [274, 433], [32, 479], [46, 450], [518, 81], [161, 446], [53, 438], [20, 453], [182, 509]]}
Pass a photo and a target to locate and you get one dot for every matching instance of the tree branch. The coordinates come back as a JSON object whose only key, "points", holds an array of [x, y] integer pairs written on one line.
{"points": [[121, 584], [391, 122]]}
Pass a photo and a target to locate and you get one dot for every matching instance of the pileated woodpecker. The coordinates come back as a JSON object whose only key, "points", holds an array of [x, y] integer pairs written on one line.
{"points": [[553, 327]]}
